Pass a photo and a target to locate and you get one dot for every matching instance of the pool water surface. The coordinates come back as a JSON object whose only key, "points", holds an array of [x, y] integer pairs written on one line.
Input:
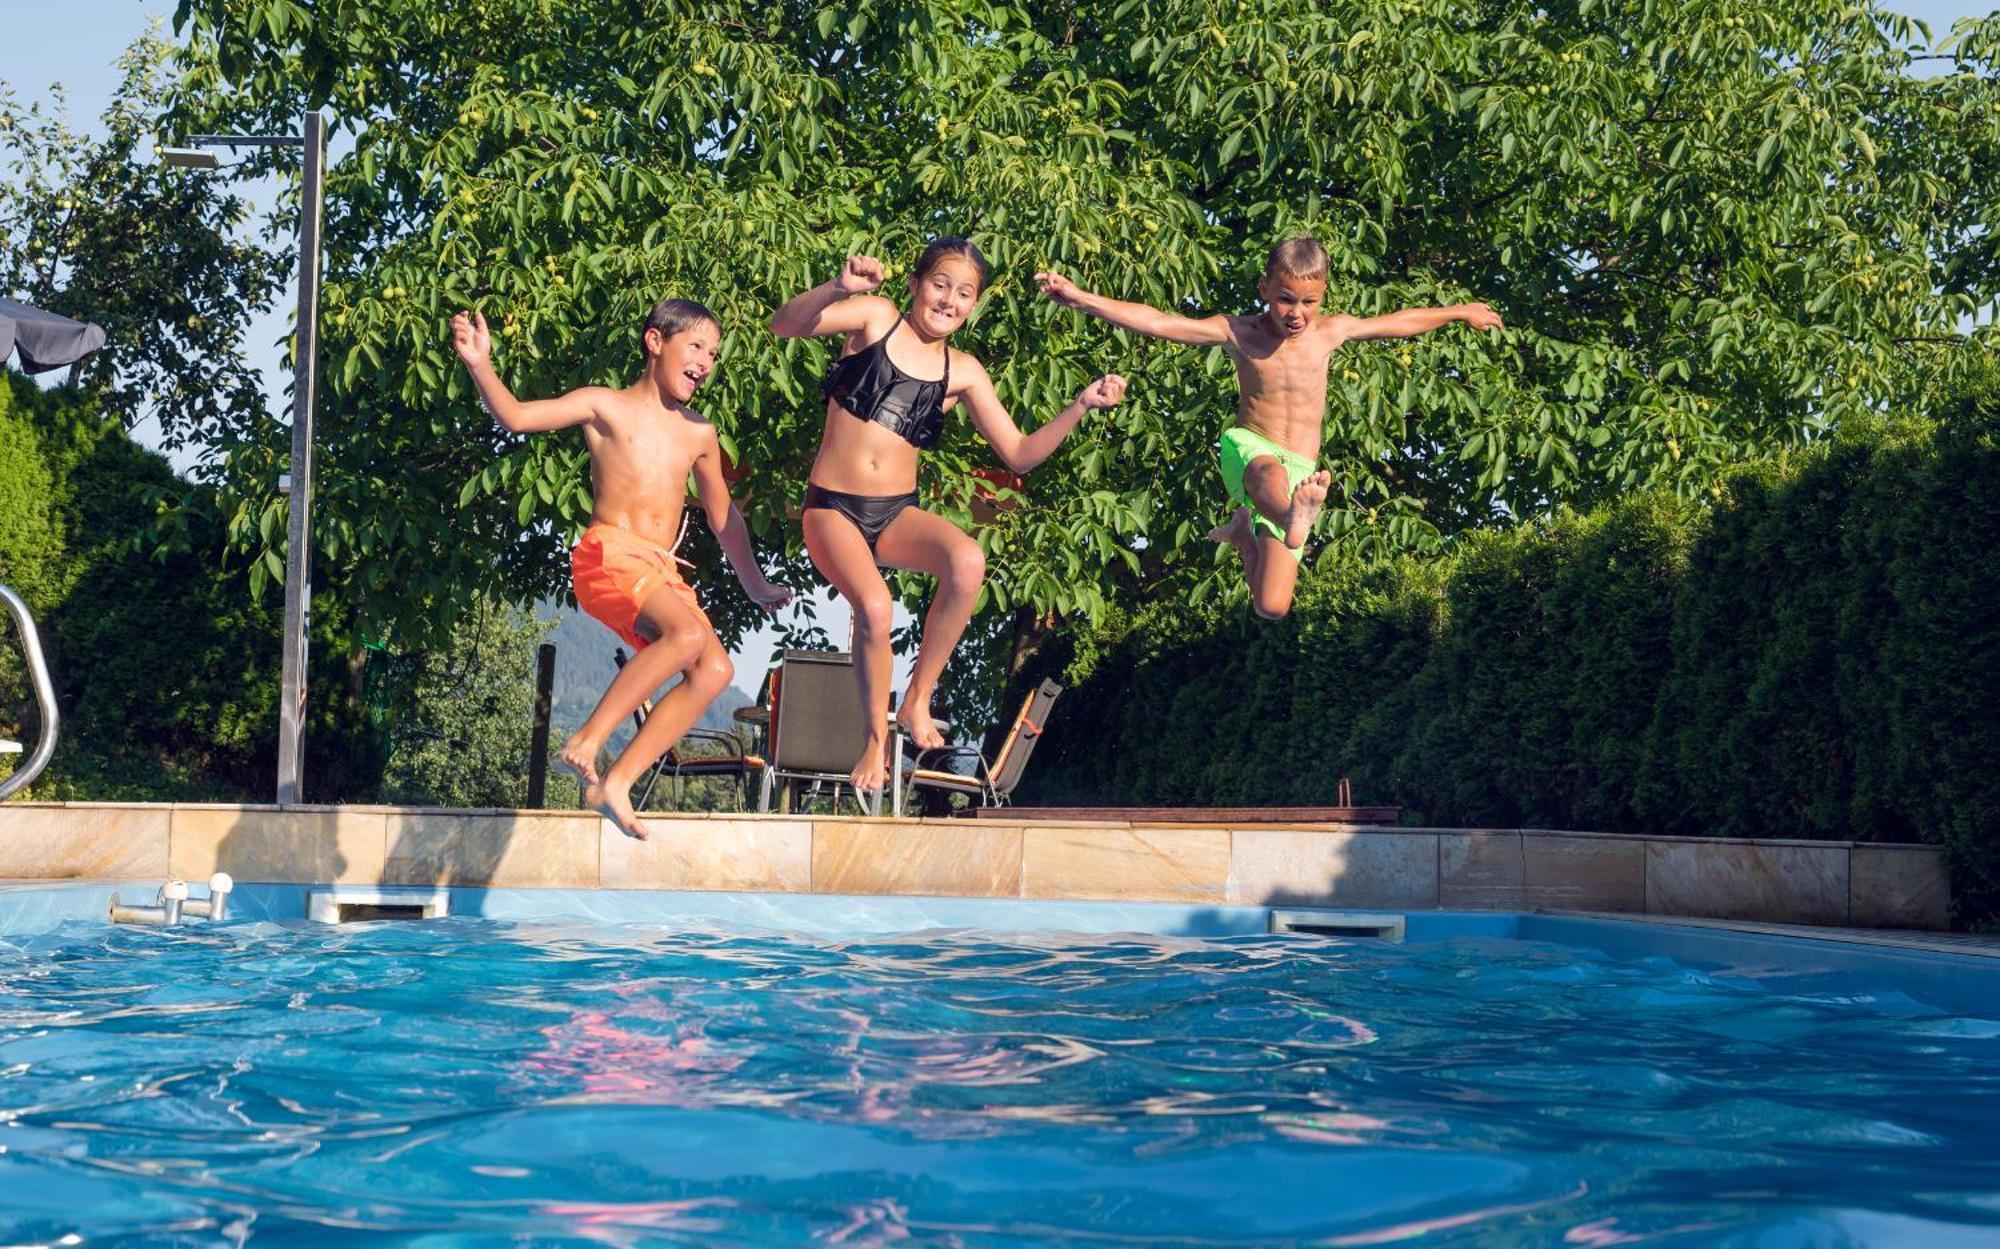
{"points": [[470, 1080]]}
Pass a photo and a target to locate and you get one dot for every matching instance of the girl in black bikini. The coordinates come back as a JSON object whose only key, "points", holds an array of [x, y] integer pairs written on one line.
{"points": [[887, 396]]}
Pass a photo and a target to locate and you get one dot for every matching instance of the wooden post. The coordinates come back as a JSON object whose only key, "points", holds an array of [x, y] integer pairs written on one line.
{"points": [[538, 750]]}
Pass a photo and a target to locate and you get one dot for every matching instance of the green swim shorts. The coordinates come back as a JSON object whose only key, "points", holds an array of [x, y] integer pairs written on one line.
{"points": [[1239, 447]]}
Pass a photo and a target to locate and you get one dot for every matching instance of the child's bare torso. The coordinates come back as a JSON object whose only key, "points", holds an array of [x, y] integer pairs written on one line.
{"points": [[1281, 381], [640, 458]]}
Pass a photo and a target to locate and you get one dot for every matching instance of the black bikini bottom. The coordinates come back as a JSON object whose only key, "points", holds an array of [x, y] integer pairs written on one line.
{"points": [[871, 513]]}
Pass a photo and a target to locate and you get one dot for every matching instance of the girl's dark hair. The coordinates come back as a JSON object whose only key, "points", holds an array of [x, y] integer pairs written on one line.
{"points": [[671, 316], [940, 248]]}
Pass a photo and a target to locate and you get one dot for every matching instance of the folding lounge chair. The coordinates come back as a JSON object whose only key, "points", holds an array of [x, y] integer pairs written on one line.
{"points": [[815, 726], [992, 784], [733, 761]]}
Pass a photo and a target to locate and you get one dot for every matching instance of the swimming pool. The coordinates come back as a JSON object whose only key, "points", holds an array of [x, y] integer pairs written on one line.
{"points": [[1498, 1080]]}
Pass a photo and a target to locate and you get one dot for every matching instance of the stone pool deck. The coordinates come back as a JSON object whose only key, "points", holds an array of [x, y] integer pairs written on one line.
{"points": [[1836, 883]]}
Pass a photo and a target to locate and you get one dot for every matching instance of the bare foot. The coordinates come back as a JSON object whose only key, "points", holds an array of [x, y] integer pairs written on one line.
{"points": [[871, 771], [915, 721], [614, 803], [1237, 531], [1307, 503], [578, 758]]}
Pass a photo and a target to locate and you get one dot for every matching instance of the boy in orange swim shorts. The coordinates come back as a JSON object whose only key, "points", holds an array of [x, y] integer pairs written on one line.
{"points": [[645, 442]]}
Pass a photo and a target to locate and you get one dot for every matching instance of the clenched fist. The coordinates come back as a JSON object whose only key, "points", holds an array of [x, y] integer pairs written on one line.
{"points": [[1105, 392], [859, 275]]}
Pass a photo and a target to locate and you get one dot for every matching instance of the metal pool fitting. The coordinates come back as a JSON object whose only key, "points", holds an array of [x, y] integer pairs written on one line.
{"points": [[164, 913], [216, 904], [45, 696], [173, 904]]}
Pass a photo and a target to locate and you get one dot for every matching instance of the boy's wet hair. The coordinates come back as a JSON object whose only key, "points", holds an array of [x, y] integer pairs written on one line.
{"points": [[938, 249], [1302, 258], [671, 316]]}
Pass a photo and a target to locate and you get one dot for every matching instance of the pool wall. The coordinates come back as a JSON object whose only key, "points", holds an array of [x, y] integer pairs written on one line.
{"points": [[1776, 881], [1894, 973]]}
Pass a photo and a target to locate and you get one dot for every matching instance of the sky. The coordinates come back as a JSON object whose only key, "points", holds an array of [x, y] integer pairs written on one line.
{"points": [[77, 43]]}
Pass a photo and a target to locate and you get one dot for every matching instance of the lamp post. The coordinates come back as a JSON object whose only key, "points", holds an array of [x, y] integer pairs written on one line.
{"points": [[305, 376]]}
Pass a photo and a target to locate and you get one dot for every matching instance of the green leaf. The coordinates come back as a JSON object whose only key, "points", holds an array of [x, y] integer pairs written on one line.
{"points": [[1615, 222]]}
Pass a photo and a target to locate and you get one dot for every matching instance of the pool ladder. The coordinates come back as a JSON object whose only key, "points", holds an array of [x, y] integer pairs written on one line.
{"points": [[45, 698], [173, 904]]}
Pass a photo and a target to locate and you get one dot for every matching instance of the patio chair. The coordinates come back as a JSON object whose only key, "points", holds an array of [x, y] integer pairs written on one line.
{"points": [[815, 732], [733, 761], [990, 785]]}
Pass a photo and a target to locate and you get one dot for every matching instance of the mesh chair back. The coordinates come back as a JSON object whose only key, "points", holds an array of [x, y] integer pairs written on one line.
{"points": [[815, 713], [1021, 738]]}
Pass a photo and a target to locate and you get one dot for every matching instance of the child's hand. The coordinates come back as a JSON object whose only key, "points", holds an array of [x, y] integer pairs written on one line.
{"points": [[769, 595], [1105, 392], [1479, 316], [1060, 289], [859, 275], [469, 336]]}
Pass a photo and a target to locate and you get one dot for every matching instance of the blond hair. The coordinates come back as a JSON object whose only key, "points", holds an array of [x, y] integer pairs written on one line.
{"points": [[1302, 258]]}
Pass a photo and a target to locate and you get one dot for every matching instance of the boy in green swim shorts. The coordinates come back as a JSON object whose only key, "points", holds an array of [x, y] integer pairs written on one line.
{"points": [[1270, 456]]}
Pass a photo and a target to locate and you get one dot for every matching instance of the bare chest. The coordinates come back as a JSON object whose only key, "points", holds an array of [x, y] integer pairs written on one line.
{"points": [[1288, 373], [643, 446]]}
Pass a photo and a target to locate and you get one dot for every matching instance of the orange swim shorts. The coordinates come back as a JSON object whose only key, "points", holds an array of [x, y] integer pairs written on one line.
{"points": [[614, 571]]}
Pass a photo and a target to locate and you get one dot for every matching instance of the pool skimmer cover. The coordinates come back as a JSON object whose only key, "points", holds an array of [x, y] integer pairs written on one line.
{"points": [[347, 904]]}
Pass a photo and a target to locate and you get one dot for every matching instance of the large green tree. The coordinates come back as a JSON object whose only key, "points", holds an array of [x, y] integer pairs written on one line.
{"points": [[1716, 230]]}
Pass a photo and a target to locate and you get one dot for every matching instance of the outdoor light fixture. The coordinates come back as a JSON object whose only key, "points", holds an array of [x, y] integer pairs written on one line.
{"points": [[305, 374], [189, 158]]}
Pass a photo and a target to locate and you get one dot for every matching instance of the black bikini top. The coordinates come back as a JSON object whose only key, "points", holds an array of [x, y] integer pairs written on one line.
{"points": [[869, 385]]}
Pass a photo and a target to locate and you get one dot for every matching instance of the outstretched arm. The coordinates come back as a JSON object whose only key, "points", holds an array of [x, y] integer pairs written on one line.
{"points": [[1022, 452], [475, 348], [829, 309], [726, 523], [1411, 322], [1139, 318]]}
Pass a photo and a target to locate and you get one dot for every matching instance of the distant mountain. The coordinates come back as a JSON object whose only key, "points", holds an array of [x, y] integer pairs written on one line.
{"points": [[585, 666]]}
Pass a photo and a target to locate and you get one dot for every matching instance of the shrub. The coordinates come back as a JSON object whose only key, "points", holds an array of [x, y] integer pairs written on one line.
{"points": [[1815, 655]]}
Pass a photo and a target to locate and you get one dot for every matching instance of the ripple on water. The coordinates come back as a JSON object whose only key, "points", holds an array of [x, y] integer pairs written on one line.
{"points": [[468, 1078]]}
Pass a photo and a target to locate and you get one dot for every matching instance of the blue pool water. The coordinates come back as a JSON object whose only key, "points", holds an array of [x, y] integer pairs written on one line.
{"points": [[468, 1081]]}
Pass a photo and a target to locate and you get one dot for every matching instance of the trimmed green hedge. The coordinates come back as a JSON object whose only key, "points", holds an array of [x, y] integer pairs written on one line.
{"points": [[30, 535], [159, 661], [1816, 654]]}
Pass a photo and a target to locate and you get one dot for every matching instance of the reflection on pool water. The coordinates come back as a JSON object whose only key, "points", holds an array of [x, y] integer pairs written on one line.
{"points": [[463, 1081]]}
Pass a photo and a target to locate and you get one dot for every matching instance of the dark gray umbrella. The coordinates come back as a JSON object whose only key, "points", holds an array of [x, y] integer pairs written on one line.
{"points": [[45, 340]]}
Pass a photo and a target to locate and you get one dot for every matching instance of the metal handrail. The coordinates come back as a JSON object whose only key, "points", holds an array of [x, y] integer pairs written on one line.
{"points": [[45, 696]]}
